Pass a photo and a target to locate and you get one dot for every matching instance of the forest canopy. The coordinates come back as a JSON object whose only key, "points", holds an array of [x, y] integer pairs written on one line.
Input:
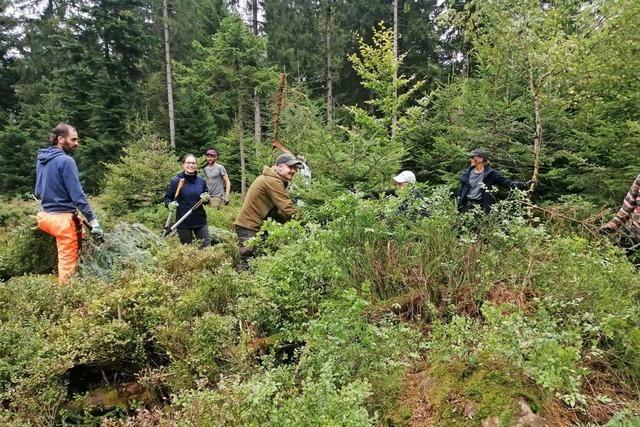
{"points": [[551, 88]]}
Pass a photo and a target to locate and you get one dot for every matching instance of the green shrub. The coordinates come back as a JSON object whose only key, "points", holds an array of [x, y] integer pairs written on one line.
{"points": [[596, 276], [142, 176], [356, 349], [15, 212], [342, 356], [571, 214], [25, 249], [212, 292], [293, 281], [550, 347], [152, 217], [183, 261], [9, 419], [225, 216], [272, 399]]}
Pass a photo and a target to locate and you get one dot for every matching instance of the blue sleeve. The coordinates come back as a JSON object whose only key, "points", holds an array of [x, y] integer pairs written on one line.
{"points": [[73, 186], [36, 192], [171, 191]]}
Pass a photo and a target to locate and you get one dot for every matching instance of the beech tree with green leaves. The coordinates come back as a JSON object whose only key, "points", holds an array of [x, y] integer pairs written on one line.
{"points": [[535, 65], [373, 151]]}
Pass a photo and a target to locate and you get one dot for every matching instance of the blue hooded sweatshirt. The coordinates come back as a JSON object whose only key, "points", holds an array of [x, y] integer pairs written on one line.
{"points": [[57, 184]]}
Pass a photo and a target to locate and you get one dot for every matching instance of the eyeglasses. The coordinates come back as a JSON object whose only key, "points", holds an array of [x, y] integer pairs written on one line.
{"points": [[189, 163]]}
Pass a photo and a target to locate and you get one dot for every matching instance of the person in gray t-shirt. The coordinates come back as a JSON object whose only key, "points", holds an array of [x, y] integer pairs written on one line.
{"points": [[476, 184], [477, 181], [217, 180]]}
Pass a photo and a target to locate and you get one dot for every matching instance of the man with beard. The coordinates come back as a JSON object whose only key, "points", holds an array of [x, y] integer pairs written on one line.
{"points": [[217, 180], [60, 194], [267, 197]]}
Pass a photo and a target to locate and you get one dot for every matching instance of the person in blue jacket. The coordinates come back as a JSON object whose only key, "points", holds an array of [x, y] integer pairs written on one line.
{"points": [[477, 181], [60, 195], [191, 192]]}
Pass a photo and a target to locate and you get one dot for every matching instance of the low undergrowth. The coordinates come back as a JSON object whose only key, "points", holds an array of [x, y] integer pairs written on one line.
{"points": [[332, 316]]}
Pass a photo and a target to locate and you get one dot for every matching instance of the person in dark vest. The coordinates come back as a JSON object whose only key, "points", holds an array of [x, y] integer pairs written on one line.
{"points": [[192, 191], [477, 181]]}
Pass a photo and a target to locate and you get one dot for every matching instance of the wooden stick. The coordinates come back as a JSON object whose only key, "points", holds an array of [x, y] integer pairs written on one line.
{"points": [[276, 118]]}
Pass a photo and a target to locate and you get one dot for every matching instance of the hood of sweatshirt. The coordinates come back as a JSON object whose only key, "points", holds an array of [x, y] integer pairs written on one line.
{"points": [[46, 154], [272, 172]]}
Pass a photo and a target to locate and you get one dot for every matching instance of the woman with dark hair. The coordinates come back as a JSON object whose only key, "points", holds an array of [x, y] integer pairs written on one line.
{"points": [[185, 191], [478, 179]]}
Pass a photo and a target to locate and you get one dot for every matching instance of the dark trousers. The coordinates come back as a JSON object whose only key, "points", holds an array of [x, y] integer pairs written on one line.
{"points": [[202, 233], [244, 234], [469, 203], [246, 253]]}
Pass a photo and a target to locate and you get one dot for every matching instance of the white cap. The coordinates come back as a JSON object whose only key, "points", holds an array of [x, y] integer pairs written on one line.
{"points": [[405, 176]]}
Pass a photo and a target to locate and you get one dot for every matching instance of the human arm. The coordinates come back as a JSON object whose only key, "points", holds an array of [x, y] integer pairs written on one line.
{"points": [[171, 191], [204, 191], [227, 185], [500, 180], [71, 180], [281, 200], [629, 204]]}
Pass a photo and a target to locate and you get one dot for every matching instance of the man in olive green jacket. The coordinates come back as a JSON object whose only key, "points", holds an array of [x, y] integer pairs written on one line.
{"points": [[267, 198]]}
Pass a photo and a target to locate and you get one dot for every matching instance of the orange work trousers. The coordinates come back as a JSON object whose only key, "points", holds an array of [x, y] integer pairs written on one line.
{"points": [[66, 228]]}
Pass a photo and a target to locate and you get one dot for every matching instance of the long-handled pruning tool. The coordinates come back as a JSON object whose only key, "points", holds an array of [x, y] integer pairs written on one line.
{"points": [[174, 227]]}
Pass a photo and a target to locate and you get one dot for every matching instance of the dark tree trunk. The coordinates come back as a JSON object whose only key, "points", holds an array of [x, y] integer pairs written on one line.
{"points": [[329, 82], [167, 59]]}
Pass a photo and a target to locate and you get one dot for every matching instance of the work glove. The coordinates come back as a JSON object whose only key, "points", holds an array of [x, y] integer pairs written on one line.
{"points": [[225, 200], [96, 230], [205, 197], [173, 206]]}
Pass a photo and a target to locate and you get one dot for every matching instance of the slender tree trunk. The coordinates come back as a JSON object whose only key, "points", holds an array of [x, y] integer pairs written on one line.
{"points": [[105, 47], [243, 168], [257, 119], [537, 136], [167, 59], [254, 10], [394, 114], [328, 24]]}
